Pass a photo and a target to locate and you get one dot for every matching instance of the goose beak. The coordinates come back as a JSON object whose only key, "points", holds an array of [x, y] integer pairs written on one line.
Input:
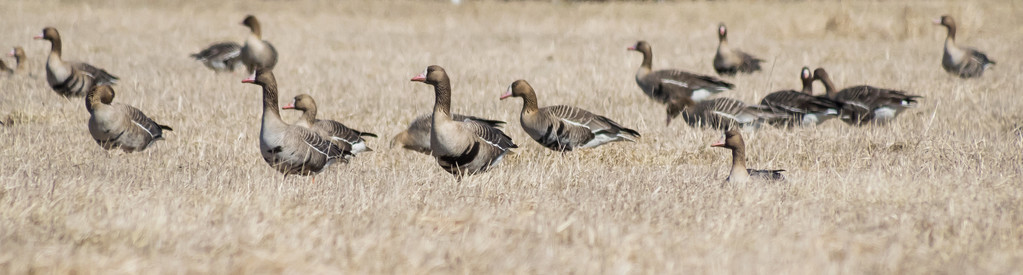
{"points": [[720, 143], [506, 95], [11, 53], [631, 48], [250, 79], [289, 106], [419, 78], [38, 37], [937, 21]]}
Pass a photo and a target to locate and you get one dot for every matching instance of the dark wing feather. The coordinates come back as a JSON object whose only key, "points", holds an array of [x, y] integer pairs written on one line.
{"points": [[220, 51], [491, 123], [141, 120], [99, 76], [491, 135], [322, 145], [749, 62], [337, 130], [768, 175]]}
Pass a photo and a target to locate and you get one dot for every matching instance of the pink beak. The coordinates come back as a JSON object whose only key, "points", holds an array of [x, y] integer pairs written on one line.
{"points": [[11, 53], [419, 78], [37, 37], [506, 95], [289, 106], [631, 48], [250, 79], [937, 21], [720, 143]]}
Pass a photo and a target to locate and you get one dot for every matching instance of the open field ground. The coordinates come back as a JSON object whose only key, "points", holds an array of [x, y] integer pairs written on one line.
{"points": [[939, 191]]}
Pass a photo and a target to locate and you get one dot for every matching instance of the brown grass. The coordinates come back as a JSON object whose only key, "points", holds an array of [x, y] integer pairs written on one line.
{"points": [[937, 192]]}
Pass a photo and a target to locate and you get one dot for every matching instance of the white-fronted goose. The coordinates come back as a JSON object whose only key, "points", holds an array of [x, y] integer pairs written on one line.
{"points": [[115, 125], [564, 128], [865, 104], [672, 86], [288, 148], [417, 136], [220, 57], [71, 78], [732, 140], [461, 147], [724, 113], [334, 130], [801, 108], [257, 53], [729, 61], [964, 62]]}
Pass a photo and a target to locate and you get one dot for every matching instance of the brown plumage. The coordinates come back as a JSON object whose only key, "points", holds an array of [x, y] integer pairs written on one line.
{"points": [[417, 136], [288, 148], [865, 104], [961, 61], [335, 131], [674, 87], [257, 53], [801, 108], [461, 147], [4, 69], [728, 61], [71, 79], [738, 173], [19, 56], [115, 125], [220, 57], [724, 113], [564, 128]]}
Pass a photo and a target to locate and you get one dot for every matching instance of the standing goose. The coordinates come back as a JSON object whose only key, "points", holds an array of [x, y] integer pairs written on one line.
{"points": [[115, 125], [288, 148], [964, 62], [220, 57], [724, 113], [417, 136], [671, 87], [865, 104], [801, 108], [461, 147], [257, 53], [732, 140], [334, 130], [563, 128], [71, 78], [729, 61]]}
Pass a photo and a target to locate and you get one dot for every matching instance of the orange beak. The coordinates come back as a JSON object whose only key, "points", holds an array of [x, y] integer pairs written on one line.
{"points": [[419, 78], [250, 79]]}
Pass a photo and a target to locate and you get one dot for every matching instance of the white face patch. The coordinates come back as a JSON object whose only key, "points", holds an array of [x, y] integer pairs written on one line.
{"points": [[721, 30], [806, 73]]}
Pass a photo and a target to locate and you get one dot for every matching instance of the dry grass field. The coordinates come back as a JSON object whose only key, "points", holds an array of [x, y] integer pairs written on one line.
{"points": [[937, 192]]}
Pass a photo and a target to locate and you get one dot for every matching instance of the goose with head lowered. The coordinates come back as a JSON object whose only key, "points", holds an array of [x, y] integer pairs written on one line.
{"points": [[220, 57], [723, 113], [461, 147], [728, 61], [71, 79], [866, 104], [257, 53], [334, 130], [564, 128], [288, 148], [801, 108], [672, 87], [961, 61], [732, 140], [417, 136], [115, 125]]}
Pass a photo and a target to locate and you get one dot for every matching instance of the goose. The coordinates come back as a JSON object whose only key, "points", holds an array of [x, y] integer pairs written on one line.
{"points": [[417, 136], [672, 86], [220, 57], [724, 113], [729, 61], [564, 128], [461, 147], [19, 56], [865, 104], [71, 79], [732, 140], [257, 53], [115, 125], [801, 108], [331, 129], [288, 148], [963, 62]]}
